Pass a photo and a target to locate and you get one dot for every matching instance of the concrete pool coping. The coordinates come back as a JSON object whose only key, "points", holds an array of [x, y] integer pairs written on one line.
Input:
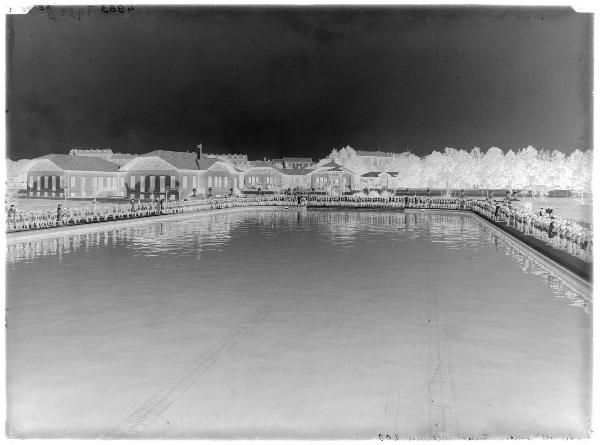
{"points": [[567, 261], [571, 267]]}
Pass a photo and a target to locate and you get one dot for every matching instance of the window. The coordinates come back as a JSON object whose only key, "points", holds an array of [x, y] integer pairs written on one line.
{"points": [[185, 182], [72, 181], [46, 183], [83, 182], [53, 182], [39, 183], [194, 182], [142, 184], [31, 181], [132, 182], [152, 184], [210, 181], [234, 183], [162, 184], [225, 185], [172, 183]]}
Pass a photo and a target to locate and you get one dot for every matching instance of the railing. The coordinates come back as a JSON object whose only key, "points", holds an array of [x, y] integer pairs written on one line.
{"points": [[561, 234]]}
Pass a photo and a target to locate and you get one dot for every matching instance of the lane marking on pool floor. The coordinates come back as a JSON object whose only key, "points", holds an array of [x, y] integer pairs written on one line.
{"points": [[174, 388], [442, 414]]}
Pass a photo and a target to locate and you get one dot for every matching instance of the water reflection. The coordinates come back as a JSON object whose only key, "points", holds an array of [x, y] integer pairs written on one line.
{"points": [[342, 229]]}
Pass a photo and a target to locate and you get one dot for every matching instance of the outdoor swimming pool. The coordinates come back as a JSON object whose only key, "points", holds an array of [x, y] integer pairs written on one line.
{"points": [[295, 324]]}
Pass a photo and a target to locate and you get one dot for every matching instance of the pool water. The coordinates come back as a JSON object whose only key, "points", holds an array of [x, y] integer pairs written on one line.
{"points": [[295, 324]]}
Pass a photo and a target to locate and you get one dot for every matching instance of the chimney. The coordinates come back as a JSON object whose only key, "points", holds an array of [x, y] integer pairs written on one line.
{"points": [[199, 147]]}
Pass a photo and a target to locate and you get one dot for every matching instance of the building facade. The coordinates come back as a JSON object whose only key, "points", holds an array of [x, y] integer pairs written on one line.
{"points": [[178, 175], [150, 177], [263, 178], [334, 179], [380, 180], [296, 179], [73, 176], [220, 178]]}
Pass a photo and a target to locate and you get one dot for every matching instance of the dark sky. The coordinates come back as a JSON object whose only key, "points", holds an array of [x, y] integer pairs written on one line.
{"points": [[298, 81]]}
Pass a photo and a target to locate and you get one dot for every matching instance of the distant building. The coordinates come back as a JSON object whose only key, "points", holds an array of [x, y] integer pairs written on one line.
{"points": [[373, 158], [298, 163], [277, 163], [238, 160], [96, 152], [373, 154], [380, 180]]}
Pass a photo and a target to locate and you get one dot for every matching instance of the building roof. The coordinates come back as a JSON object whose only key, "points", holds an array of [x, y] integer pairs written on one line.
{"points": [[393, 174], [82, 163], [371, 175], [178, 159], [120, 158], [297, 159], [330, 164], [295, 171], [378, 154], [260, 164], [206, 163]]}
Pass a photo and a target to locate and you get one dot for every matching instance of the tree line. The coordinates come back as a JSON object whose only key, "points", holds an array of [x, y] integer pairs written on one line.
{"points": [[527, 168]]}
